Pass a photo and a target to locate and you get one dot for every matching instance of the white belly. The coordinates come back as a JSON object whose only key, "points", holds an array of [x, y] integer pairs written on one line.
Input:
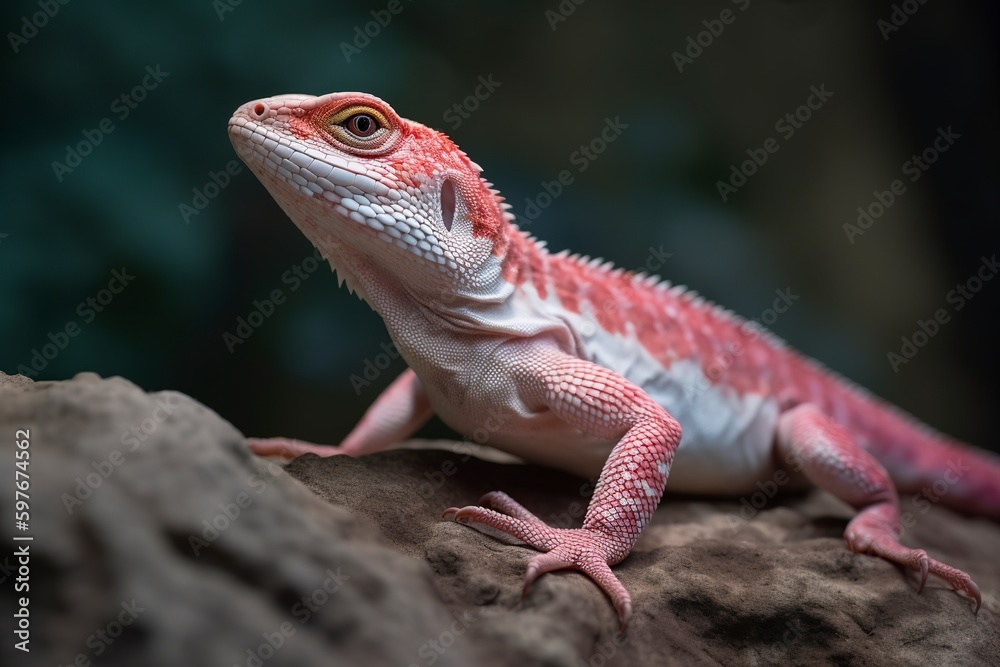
{"points": [[727, 437]]}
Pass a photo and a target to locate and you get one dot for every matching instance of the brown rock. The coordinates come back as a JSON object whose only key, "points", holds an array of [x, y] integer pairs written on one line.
{"points": [[709, 588]]}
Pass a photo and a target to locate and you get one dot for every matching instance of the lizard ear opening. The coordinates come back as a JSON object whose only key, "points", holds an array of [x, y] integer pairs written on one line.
{"points": [[448, 203]]}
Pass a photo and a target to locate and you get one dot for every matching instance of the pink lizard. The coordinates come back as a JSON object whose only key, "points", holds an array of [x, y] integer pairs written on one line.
{"points": [[591, 369]]}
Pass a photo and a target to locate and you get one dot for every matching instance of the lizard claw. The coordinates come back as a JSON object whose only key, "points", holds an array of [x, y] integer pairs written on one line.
{"points": [[924, 568], [865, 536], [587, 550]]}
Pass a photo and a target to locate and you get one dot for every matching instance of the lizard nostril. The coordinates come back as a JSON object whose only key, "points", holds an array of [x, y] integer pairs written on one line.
{"points": [[259, 110]]}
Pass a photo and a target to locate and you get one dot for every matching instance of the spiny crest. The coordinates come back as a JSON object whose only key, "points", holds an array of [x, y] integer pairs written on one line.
{"points": [[488, 210]]}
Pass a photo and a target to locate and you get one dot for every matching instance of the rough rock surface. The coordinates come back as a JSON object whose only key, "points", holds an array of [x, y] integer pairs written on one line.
{"points": [[212, 556]]}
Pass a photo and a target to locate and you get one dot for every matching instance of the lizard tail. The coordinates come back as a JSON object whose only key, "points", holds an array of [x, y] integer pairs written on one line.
{"points": [[933, 467]]}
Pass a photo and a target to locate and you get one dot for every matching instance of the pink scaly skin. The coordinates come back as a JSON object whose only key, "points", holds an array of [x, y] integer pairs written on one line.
{"points": [[572, 363]]}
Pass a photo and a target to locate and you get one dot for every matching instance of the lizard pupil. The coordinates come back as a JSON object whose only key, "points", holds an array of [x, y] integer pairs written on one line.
{"points": [[362, 125]]}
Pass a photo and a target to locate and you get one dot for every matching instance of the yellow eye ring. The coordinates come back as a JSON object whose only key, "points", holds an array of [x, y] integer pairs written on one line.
{"points": [[360, 127]]}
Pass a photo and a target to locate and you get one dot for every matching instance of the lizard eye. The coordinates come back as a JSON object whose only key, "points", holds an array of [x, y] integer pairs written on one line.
{"points": [[360, 128], [361, 125]]}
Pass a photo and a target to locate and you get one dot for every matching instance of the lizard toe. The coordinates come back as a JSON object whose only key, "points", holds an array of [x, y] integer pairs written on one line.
{"points": [[873, 538], [589, 551], [523, 529], [583, 550], [288, 449]]}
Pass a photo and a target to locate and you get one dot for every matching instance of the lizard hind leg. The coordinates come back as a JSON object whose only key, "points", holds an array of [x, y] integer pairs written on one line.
{"points": [[829, 458]]}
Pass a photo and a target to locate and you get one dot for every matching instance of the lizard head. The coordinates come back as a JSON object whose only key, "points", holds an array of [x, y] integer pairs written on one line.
{"points": [[385, 199]]}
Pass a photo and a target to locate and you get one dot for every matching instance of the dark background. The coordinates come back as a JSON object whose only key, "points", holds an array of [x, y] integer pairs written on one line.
{"points": [[655, 186]]}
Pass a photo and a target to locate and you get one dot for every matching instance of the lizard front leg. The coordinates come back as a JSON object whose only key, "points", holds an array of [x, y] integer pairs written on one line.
{"points": [[395, 415], [830, 459], [600, 403]]}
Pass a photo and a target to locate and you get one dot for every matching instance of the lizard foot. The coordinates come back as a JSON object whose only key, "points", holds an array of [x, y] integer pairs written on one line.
{"points": [[287, 448], [871, 537], [585, 549]]}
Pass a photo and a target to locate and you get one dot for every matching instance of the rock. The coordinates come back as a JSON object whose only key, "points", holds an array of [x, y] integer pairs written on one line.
{"points": [[147, 511], [208, 554]]}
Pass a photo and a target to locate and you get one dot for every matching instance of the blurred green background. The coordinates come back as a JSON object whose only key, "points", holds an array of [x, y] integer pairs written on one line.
{"points": [[560, 70]]}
